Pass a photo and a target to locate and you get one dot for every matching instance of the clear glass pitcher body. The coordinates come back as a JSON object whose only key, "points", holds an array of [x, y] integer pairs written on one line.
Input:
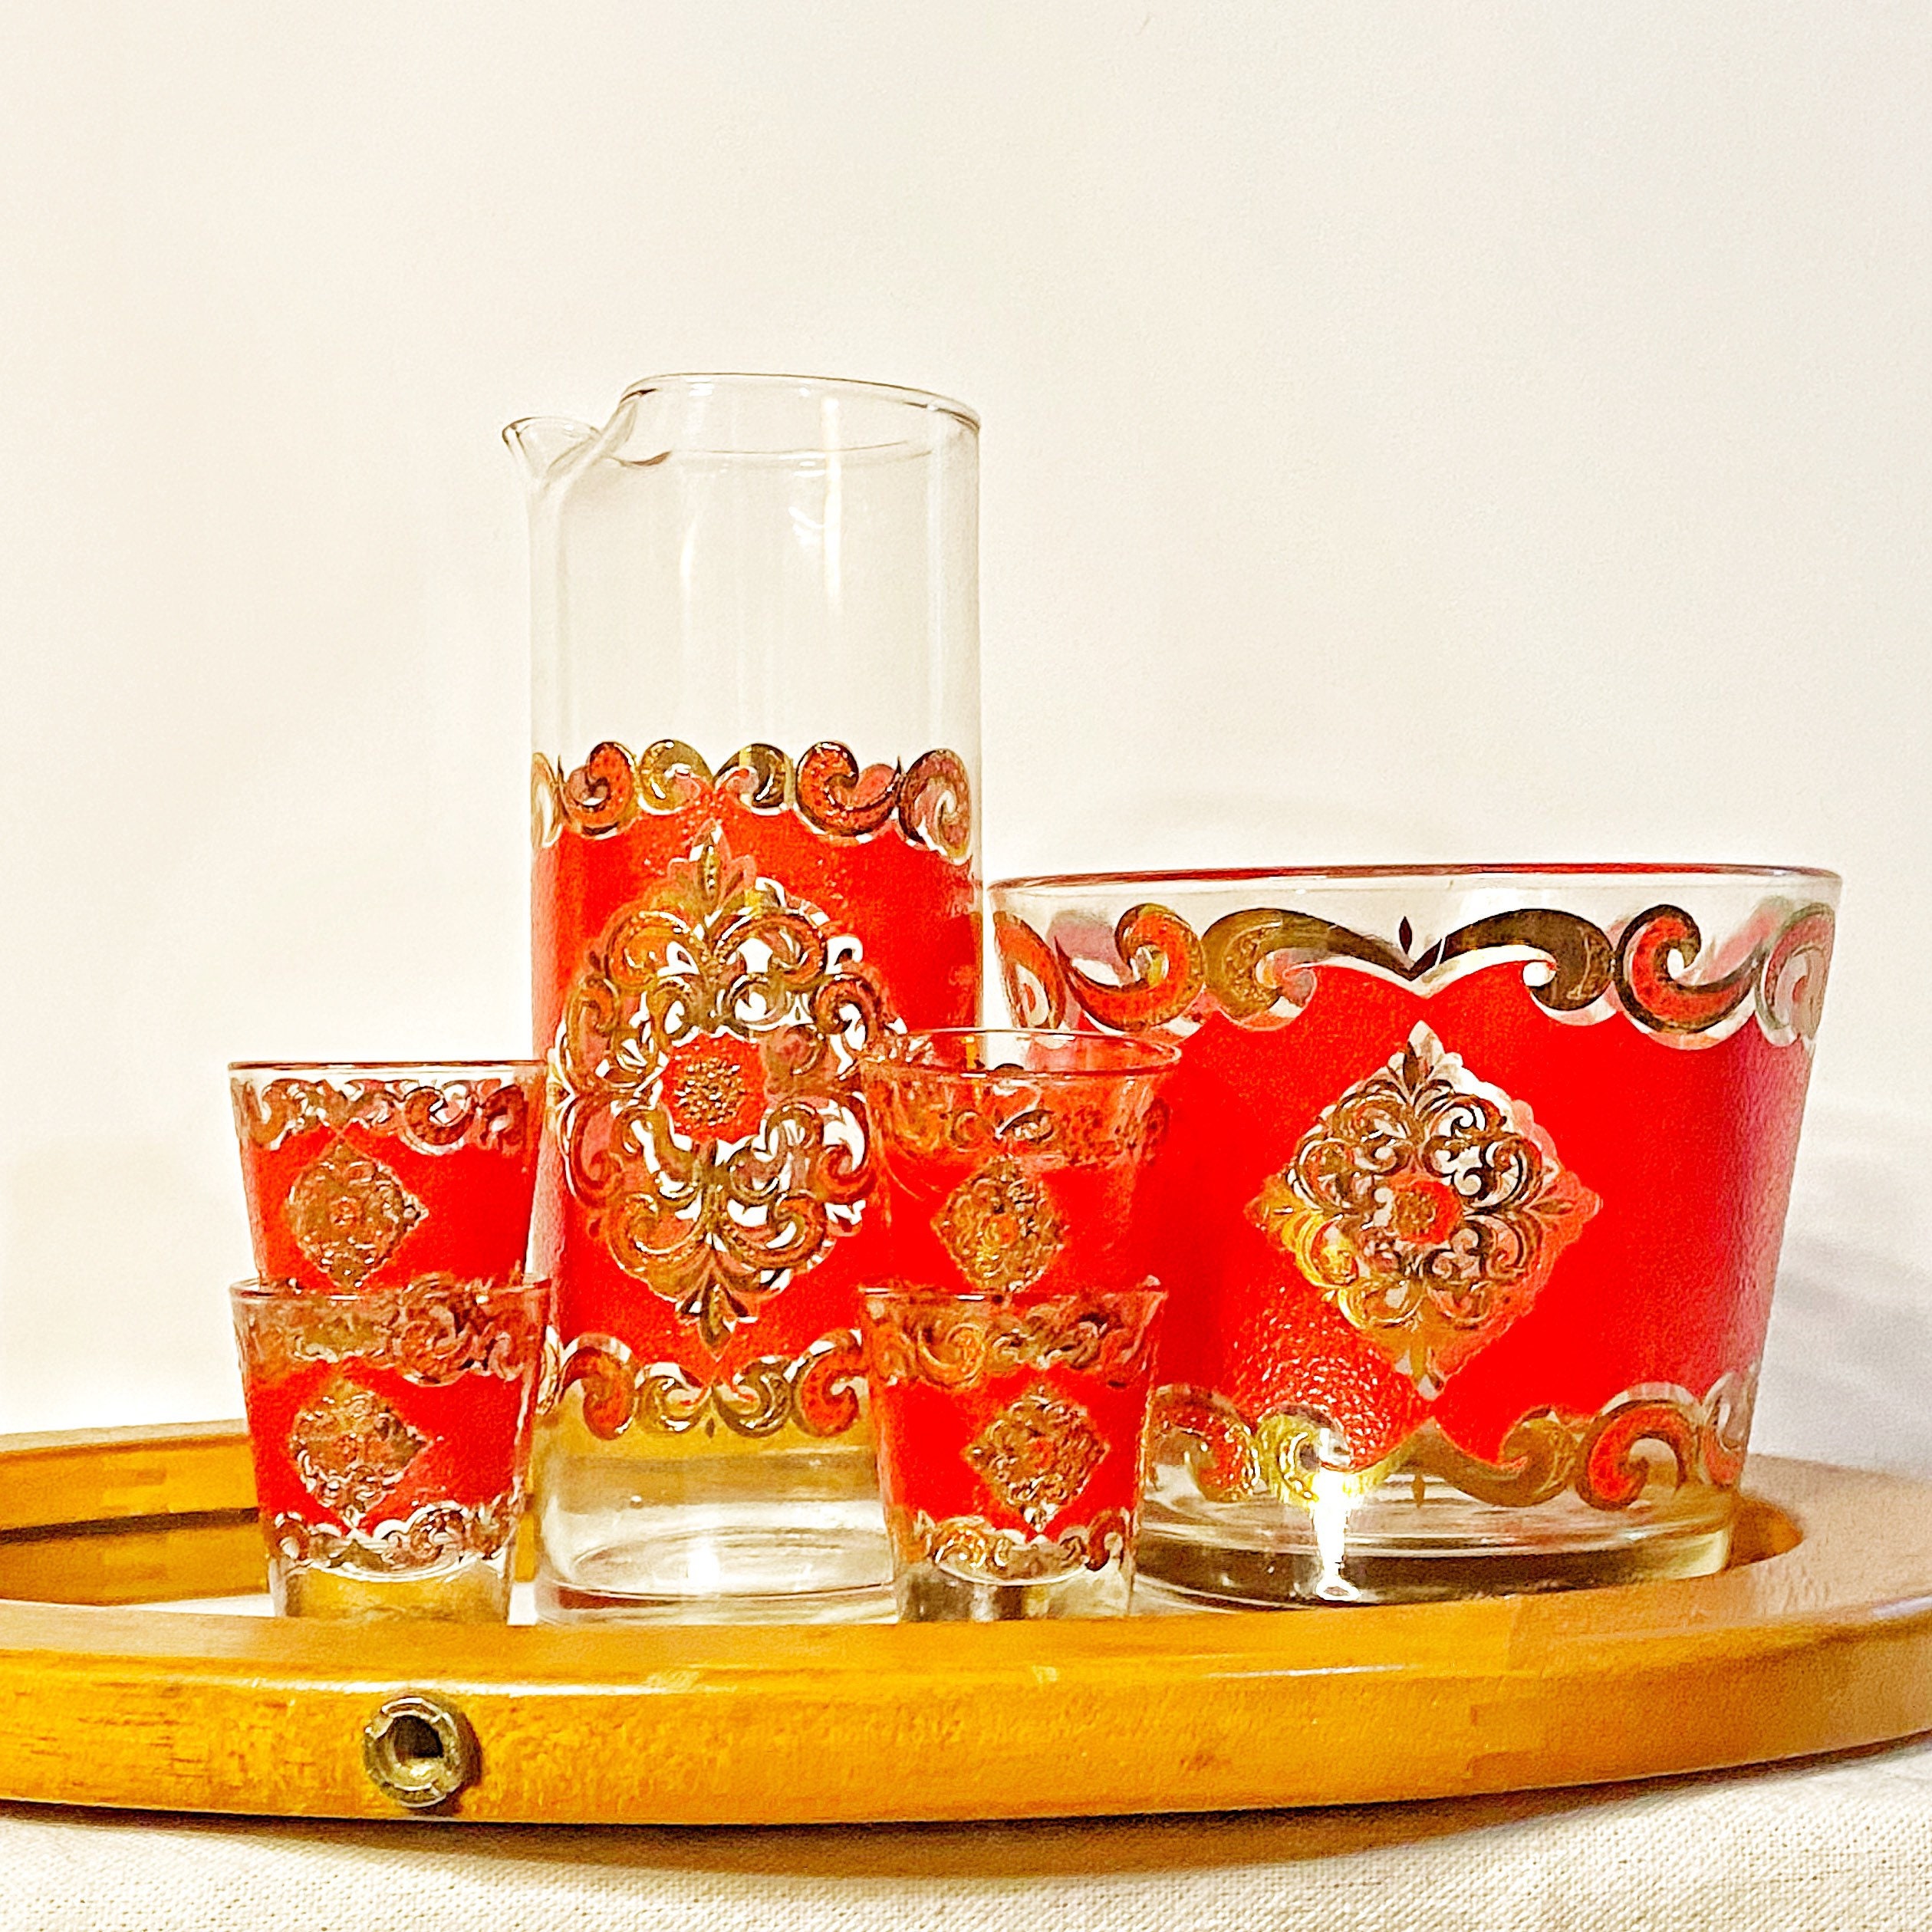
{"points": [[755, 607]]}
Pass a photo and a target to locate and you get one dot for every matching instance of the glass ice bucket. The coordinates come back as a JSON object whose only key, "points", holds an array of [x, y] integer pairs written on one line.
{"points": [[756, 714], [1469, 1213]]}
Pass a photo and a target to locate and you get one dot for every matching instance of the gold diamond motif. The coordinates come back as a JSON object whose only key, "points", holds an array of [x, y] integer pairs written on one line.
{"points": [[1428, 1207], [350, 1448], [1036, 1455], [1000, 1226], [349, 1213]]}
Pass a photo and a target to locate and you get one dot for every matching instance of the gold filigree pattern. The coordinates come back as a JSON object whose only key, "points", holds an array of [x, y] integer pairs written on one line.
{"points": [[1037, 1455], [819, 1392], [349, 1213], [955, 1344], [1252, 965], [1428, 1206], [1001, 1227], [437, 1536], [483, 1111], [979, 1552], [432, 1331], [1655, 1432], [709, 1114], [929, 801], [351, 1448], [926, 1110]]}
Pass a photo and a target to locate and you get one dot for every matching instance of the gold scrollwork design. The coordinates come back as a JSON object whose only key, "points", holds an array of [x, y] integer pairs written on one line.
{"points": [[959, 1344], [1243, 955], [760, 777], [1036, 983], [434, 1331], [1244, 963], [1299, 1455], [924, 1111], [979, 1552], [819, 1392], [546, 803], [935, 805], [930, 800], [427, 1117], [431, 1538], [1163, 970], [1579, 953]]}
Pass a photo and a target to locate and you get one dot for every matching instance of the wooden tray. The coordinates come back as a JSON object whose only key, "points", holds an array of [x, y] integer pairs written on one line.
{"points": [[1818, 1638]]}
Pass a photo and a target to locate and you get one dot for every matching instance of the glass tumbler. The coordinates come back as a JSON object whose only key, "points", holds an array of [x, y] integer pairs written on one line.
{"points": [[1469, 1210], [367, 1176], [391, 1428], [1011, 1336], [756, 708]]}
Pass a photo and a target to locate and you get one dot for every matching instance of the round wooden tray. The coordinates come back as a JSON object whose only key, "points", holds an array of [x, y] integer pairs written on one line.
{"points": [[1818, 1638]]}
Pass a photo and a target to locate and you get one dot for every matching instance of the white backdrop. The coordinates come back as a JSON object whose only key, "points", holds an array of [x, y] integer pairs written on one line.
{"points": [[1411, 431]]}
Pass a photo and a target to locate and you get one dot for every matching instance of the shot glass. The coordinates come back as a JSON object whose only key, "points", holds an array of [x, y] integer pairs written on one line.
{"points": [[1470, 1207], [361, 1177], [391, 1433], [1010, 1345], [1009, 1432]]}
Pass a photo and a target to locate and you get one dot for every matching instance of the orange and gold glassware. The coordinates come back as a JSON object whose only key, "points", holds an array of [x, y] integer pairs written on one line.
{"points": [[756, 709], [368, 1177], [390, 1427], [1469, 1210], [1010, 1332]]}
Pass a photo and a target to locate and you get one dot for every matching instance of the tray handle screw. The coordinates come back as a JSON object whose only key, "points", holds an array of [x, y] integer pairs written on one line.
{"points": [[419, 1751]]}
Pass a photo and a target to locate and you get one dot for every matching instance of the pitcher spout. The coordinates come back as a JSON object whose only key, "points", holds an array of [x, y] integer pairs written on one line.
{"points": [[541, 443]]}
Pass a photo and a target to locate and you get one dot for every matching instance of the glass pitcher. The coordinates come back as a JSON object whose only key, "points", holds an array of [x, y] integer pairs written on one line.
{"points": [[755, 632]]}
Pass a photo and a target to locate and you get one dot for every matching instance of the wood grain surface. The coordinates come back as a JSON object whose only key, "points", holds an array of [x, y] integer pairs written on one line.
{"points": [[1821, 1641]]}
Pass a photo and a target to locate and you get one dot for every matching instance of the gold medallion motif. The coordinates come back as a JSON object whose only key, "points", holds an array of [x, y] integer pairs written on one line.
{"points": [[709, 1115], [1000, 1226], [1428, 1207], [350, 1448], [349, 1213], [1036, 1455]]}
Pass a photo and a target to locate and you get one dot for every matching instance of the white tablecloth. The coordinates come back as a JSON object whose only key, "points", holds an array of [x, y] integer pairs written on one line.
{"points": [[1843, 1843]]}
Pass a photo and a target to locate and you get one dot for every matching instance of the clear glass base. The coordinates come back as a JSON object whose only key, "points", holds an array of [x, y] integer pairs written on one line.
{"points": [[1415, 1539], [928, 1594], [474, 1590], [707, 1529]]}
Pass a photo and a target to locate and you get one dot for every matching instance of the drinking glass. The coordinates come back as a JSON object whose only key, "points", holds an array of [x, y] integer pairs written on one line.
{"points": [[1470, 1209], [365, 1176], [390, 1427], [756, 707], [1011, 1334]]}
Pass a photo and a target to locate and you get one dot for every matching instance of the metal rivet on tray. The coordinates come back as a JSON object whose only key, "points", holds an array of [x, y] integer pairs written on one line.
{"points": [[419, 1751]]}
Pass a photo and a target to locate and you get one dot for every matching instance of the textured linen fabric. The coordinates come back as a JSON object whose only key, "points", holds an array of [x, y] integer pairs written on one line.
{"points": [[1845, 1842], [1838, 1843]]}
